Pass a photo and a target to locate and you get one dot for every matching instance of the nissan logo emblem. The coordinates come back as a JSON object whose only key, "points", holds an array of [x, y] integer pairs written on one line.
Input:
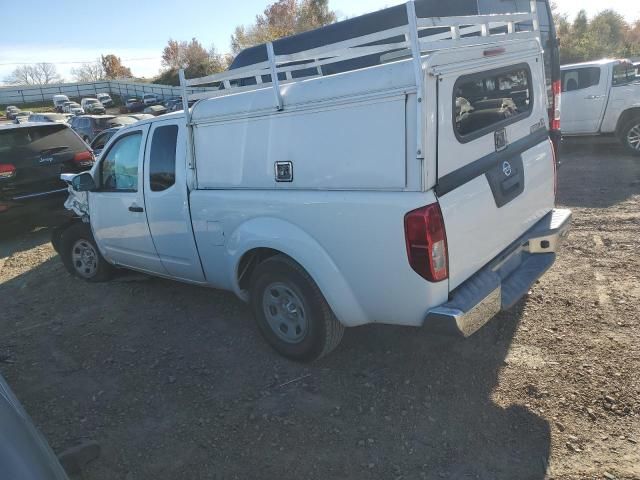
{"points": [[507, 169]]}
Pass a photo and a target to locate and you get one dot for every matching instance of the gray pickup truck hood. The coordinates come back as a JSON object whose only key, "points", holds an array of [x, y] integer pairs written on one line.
{"points": [[24, 453]]}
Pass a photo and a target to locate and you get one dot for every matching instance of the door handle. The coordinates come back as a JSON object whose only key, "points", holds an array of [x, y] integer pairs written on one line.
{"points": [[594, 97], [136, 209]]}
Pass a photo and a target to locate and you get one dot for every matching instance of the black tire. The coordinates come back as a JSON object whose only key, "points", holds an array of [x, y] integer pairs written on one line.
{"points": [[321, 332], [630, 136], [75, 240]]}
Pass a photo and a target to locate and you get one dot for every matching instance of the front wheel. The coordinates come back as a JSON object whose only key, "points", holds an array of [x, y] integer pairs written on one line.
{"points": [[631, 136], [81, 256], [291, 312]]}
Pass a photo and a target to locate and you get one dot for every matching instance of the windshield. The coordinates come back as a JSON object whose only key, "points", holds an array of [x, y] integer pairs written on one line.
{"points": [[92, 101], [624, 73]]}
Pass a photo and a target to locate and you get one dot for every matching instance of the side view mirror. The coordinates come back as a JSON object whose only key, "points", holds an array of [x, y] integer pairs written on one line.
{"points": [[83, 183]]}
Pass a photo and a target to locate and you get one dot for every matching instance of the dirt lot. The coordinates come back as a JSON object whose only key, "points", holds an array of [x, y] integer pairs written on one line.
{"points": [[174, 382]]}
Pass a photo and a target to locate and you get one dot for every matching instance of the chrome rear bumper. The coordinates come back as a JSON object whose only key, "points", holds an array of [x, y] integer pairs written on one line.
{"points": [[504, 281]]}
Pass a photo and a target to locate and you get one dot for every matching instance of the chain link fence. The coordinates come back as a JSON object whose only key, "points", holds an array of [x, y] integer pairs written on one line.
{"points": [[20, 95]]}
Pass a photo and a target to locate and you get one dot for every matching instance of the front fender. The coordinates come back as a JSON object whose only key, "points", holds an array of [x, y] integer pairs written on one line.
{"points": [[291, 240]]}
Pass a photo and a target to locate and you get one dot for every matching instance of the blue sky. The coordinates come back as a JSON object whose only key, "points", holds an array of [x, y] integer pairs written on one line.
{"points": [[36, 30]]}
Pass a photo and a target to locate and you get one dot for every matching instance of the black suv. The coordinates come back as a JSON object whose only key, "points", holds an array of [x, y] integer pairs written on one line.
{"points": [[32, 157]]}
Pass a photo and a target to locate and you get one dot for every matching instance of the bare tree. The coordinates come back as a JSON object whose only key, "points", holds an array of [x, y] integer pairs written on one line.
{"points": [[38, 74], [89, 72]]}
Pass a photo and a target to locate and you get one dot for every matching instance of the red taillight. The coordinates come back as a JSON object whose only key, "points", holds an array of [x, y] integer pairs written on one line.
{"points": [[557, 105], [7, 170], [427, 243], [84, 159]]}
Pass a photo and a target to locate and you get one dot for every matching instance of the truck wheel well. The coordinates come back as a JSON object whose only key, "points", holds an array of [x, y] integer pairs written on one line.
{"points": [[625, 118], [250, 260]]}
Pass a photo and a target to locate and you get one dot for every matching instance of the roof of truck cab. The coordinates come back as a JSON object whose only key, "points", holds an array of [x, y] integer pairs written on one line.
{"points": [[596, 63]]}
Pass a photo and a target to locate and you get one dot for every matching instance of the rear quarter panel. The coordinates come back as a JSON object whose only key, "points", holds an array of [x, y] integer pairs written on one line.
{"points": [[351, 243]]}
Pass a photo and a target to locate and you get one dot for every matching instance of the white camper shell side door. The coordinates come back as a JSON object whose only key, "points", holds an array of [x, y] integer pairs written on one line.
{"points": [[494, 159]]}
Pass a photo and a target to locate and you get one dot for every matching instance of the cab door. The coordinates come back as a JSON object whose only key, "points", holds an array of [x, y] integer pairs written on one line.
{"points": [[117, 211], [584, 98], [166, 201]]}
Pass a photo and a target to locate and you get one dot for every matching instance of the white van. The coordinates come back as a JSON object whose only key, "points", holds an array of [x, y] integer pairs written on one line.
{"points": [[58, 102], [419, 192]]}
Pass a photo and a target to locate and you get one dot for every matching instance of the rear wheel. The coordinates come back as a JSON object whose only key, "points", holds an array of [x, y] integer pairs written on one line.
{"points": [[291, 312], [631, 136], [81, 256]]}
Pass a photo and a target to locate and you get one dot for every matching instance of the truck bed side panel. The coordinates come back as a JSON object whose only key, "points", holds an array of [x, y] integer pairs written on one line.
{"points": [[345, 240], [353, 146]]}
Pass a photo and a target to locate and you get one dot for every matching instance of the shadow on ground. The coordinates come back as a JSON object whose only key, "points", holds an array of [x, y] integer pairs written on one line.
{"points": [[596, 173], [174, 382]]}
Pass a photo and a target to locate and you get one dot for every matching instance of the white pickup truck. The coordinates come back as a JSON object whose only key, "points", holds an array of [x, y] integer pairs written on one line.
{"points": [[419, 192], [602, 98]]}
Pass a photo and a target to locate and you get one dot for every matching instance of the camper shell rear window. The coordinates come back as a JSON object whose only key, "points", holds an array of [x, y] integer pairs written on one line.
{"points": [[486, 101]]}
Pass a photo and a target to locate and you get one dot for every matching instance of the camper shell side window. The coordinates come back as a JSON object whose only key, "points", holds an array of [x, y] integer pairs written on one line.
{"points": [[486, 101]]}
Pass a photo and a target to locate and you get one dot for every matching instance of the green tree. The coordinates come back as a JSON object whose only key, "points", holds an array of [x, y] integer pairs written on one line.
{"points": [[281, 19], [193, 57], [605, 35]]}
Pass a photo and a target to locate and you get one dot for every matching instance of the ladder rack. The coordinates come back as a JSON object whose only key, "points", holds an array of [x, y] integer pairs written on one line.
{"points": [[417, 37]]}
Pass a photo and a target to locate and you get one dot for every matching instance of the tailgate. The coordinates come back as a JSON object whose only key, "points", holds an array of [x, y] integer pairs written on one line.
{"points": [[495, 161]]}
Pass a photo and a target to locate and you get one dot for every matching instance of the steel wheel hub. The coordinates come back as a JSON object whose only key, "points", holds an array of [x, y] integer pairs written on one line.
{"points": [[633, 137], [84, 258], [285, 313]]}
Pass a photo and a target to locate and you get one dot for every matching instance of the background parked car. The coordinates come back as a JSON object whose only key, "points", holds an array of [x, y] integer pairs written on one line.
{"points": [[88, 126], [11, 111], [68, 104], [49, 117], [140, 116], [32, 157], [24, 453], [155, 110], [93, 106], [22, 116], [58, 102], [150, 99], [105, 99], [132, 105], [102, 138], [122, 120], [75, 110]]}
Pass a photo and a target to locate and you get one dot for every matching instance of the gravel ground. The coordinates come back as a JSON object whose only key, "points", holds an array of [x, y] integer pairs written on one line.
{"points": [[174, 382]]}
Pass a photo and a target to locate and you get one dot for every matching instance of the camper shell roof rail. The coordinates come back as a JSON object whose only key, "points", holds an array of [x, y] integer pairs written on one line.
{"points": [[418, 36]]}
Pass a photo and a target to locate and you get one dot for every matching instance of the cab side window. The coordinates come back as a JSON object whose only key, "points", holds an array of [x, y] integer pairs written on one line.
{"points": [[580, 78], [162, 158], [119, 167]]}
